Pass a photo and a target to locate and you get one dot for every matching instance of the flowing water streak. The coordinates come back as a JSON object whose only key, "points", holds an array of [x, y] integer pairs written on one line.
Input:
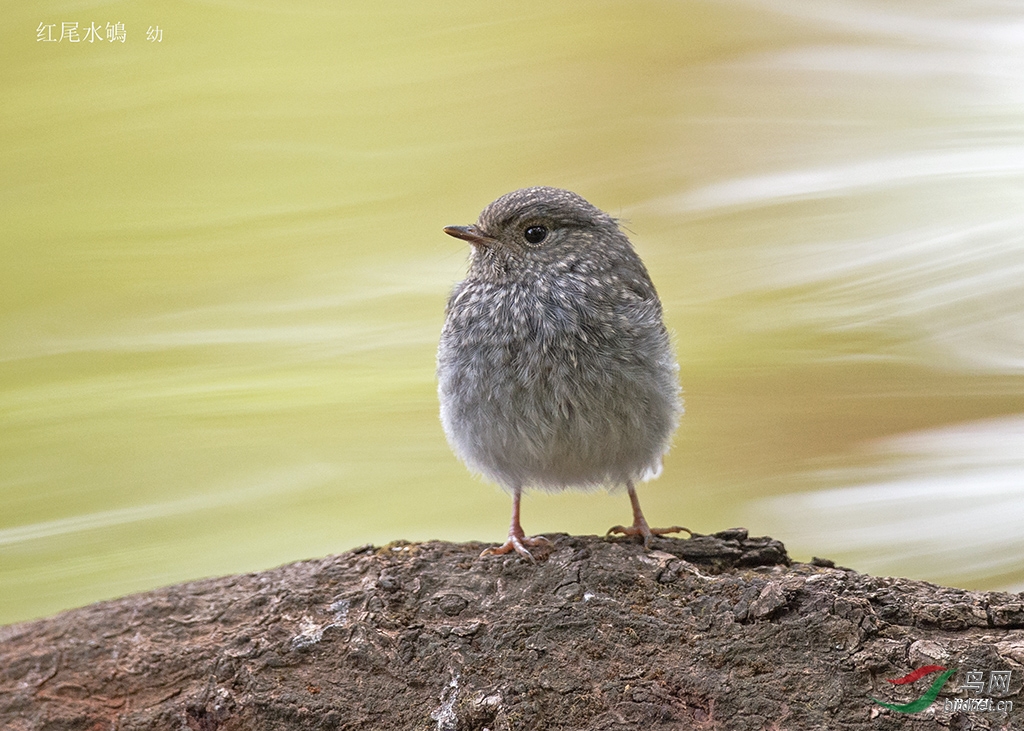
{"points": [[932, 256], [251, 490], [956, 512]]}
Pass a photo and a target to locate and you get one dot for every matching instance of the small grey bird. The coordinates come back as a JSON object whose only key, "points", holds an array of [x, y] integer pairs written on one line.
{"points": [[555, 369]]}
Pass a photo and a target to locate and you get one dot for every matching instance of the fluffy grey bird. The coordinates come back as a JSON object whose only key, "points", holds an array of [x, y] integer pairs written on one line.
{"points": [[555, 369]]}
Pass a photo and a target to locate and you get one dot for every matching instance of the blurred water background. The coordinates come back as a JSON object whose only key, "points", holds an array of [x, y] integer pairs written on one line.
{"points": [[223, 273]]}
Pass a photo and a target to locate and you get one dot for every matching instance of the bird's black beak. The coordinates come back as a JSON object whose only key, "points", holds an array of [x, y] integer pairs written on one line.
{"points": [[471, 234]]}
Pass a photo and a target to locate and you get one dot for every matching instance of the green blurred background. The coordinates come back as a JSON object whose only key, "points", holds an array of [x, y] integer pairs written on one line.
{"points": [[223, 273]]}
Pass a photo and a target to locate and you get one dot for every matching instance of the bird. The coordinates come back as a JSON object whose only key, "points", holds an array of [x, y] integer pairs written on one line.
{"points": [[555, 369]]}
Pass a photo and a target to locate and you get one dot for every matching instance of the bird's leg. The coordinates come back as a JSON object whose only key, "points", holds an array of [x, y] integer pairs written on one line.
{"points": [[640, 527], [517, 539]]}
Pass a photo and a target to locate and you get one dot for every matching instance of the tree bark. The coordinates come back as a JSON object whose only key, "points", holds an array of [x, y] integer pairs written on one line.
{"points": [[714, 632]]}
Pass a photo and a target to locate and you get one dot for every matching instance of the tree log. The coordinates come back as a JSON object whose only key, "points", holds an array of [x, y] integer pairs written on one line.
{"points": [[714, 632]]}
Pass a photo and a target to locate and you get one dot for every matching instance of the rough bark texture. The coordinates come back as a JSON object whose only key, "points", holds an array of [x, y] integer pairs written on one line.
{"points": [[715, 632]]}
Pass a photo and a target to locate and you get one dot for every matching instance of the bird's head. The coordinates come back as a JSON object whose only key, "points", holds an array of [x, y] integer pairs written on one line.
{"points": [[533, 231]]}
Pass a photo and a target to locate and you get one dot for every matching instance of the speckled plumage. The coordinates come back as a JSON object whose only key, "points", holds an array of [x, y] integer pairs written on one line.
{"points": [[555, 369]]}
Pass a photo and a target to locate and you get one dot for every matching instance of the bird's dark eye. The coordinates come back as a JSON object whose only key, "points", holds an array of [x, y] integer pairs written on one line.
{"points": [[535, 234]]}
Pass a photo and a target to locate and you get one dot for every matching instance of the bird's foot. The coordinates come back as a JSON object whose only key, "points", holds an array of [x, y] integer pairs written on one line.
{"points": [[640, 528], [518, 543]]}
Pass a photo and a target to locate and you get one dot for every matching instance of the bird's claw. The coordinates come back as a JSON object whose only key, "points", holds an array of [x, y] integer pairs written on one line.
{"points": [[645, 531], [517, 544]]}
